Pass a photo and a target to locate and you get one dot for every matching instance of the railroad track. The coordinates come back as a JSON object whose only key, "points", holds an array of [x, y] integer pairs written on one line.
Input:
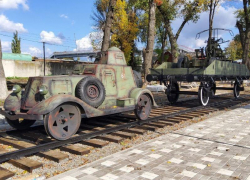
{"points": [[98, 132]]}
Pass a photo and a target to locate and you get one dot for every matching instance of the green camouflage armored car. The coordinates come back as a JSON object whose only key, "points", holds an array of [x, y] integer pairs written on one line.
{"points": [[207, 68], [106, 87]]}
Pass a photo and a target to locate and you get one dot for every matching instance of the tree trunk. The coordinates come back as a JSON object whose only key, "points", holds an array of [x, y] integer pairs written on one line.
{"points": [[151, 38], [242, 33], [3, 86], [210, 28], [245, 35], [173, 42], [108, 24], [246, 48], [163, 44]]}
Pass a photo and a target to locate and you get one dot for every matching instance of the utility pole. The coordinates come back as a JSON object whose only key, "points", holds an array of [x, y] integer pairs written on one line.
{"points": [[76, 46], [44, 57]]}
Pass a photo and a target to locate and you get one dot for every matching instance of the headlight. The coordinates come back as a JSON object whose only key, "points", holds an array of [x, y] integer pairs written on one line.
{"points": [[43, 90], [16, 89]]}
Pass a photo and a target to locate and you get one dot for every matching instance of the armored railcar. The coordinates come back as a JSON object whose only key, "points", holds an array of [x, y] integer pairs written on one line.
{"points": [[207, 68], [106, 87]]}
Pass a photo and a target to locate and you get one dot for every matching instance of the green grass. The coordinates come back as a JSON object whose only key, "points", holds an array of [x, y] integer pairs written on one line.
{"points": [[17, 78]]}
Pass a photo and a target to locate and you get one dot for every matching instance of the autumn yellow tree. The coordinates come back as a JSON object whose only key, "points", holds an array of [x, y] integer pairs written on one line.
{"points": [[124, 29], [234, 50]]}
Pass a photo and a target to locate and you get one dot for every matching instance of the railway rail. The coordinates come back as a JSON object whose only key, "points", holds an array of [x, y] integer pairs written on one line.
{"points": [[97, 132]]}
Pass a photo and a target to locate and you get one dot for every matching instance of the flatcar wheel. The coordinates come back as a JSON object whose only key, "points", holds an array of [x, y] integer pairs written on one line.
{"points": [[63, 122], [143, 107], [236, 90], [20, 124], [172, 92], [203, 96], [213, 89]]}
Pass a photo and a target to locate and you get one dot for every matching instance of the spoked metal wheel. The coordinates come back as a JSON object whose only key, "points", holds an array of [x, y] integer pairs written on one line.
{"points": [[203, 96], [20, 124], [143, 107], [236, 90], [172, 92], [63, 122]]}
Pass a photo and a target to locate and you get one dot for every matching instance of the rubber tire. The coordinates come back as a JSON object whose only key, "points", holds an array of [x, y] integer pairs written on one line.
{"points": [[81, 91], [200, 95], [25, 124], [234, 91], [138, 79], [170, 99]]}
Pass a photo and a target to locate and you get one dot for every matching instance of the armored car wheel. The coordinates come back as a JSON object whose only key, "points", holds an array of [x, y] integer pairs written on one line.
{"points": [[203, 96], [236, 90], [63, 122], [143, 107], [172, 92], [20, 124]]}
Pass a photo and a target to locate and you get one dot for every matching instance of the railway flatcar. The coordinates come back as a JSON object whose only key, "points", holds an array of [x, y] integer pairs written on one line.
{"points": [[209, 66]]}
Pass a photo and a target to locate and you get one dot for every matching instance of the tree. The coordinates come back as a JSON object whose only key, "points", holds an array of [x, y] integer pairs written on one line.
{"points": [[16, 44], [211, 5], [243, 24], [151, 37], [108, 24], [3, 86], [171, 10], [96, 40], [161, 36], [99, 16], [124, 28], [234, 50]]}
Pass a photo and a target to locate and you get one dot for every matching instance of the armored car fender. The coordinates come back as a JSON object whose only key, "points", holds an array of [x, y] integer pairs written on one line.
{"points": [[137, 92], [47, 105]]}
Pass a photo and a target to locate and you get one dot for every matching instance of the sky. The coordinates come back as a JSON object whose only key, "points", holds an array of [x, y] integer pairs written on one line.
{"points": [[60, 22]]}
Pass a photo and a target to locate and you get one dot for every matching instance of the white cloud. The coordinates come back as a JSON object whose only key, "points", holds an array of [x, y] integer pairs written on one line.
{"points": [[6, 46], [50, 37], [10, 26], [64, 16], [83, 44], [48, 52], [34, 51], [224, 18], [13, 4]]}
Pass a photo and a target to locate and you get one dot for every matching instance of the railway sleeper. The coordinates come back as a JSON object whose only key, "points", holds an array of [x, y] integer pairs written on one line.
{"points": [[94, 143], [75, 149], [26, 164], [123, 134], [5, 174], [135, 131], [111, 138], [54, 155]]}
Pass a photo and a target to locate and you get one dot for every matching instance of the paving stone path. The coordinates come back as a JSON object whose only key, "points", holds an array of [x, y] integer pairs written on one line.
{"points": [[215, 149]]}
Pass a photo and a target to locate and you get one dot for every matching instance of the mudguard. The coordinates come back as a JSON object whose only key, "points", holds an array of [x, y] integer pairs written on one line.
{"points": [[12, 102], [51, 103], [136, 92]]}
